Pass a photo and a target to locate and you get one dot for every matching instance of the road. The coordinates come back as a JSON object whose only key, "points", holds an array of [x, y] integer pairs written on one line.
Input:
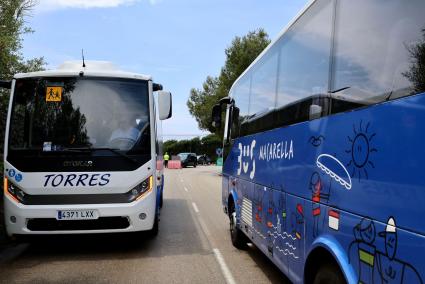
{"points": [[193, 246]]}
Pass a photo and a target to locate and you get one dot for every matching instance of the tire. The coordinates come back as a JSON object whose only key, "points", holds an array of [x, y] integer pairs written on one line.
{"points": [[329, 274], [239, 240]]}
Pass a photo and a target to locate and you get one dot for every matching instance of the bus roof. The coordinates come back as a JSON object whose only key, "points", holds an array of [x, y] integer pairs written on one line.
{"points": [[93, 68], [275, 40]]}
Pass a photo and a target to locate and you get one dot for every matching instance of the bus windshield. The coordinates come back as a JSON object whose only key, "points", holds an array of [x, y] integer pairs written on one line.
{"points": [[75, 115]]}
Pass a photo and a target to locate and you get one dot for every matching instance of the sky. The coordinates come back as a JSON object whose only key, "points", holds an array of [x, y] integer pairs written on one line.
{"points": [[179, 43]]}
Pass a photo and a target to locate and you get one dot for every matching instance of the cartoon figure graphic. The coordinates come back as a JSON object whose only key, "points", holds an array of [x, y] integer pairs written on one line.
{"points": [[297, 222], [258, 204], [361, 150], [316, 141], [281, 214], [363, 250], [319, 194], [269, 223], [333, 167], [389, 269]]}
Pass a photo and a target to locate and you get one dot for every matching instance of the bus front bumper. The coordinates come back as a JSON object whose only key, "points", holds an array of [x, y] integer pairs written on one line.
{"points": [[42, 219]]}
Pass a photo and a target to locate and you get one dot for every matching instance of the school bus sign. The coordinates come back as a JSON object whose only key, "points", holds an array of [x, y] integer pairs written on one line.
{"points": [[53, 94]]}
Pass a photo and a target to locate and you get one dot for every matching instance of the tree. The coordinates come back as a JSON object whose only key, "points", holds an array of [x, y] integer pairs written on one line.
{"points": [[207, 145], [12, 28], [416, 73], [201, 101], [241, 53]]}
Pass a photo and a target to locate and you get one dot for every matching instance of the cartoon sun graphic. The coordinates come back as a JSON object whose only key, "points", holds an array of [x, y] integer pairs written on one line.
{"points": [[361, 150]]}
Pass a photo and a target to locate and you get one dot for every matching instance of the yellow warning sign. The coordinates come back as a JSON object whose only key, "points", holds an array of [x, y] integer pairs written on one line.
{"points": [[53, 94]]}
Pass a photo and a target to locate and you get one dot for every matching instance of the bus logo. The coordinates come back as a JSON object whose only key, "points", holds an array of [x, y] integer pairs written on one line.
{"points": [[246, 158], [78, 163]]}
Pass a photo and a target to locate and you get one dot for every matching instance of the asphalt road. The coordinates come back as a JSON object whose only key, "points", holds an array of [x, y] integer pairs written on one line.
{"points": [[193, 246]]}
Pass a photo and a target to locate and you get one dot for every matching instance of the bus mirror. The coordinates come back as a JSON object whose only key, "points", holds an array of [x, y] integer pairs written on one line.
{"points": [[5, 84], [216, 116], [315, 112], [164, 105], [156, 87]]}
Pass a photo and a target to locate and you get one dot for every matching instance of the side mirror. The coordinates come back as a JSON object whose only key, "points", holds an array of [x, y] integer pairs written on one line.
{"points": [[5, 84], [315, 112], [216, 116], [164, 105]]}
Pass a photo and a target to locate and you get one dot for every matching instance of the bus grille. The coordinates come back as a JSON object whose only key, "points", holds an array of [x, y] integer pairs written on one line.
{"points": [[247, 211], [103, 223]]}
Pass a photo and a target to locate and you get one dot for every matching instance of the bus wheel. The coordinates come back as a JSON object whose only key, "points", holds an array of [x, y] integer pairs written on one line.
{"points": [[239, 240], [329, 274]]}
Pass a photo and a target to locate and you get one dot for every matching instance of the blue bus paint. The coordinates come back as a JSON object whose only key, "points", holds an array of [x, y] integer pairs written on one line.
{"points": [[367, 162]]}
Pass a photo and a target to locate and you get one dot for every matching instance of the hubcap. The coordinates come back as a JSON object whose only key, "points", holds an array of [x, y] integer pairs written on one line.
{"points": [[232, 222]]}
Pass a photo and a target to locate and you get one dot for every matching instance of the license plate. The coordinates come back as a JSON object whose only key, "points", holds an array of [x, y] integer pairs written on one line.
{"points": [[77, 215]]}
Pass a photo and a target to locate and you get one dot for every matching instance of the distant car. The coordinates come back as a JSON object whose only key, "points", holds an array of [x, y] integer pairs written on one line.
{"points": [[204, 160], [188, 159]]}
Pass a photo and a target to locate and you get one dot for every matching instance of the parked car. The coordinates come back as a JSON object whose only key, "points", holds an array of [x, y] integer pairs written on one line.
{"points": [[188, 159], [204, 160]]}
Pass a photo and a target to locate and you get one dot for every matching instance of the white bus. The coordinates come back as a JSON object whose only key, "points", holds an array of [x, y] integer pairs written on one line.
{"points": [[83, 151]]}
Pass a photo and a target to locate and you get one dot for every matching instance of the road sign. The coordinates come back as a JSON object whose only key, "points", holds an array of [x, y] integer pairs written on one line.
{"points": [[219, 151], [53, 94]]}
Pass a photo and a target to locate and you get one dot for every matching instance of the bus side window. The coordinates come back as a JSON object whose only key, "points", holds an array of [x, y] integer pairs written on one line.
{"points": [[374, 60], [241, 95], [304, 64]]}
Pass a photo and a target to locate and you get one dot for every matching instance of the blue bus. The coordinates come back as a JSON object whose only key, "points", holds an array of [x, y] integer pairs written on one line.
{"points": [[323, 160]]}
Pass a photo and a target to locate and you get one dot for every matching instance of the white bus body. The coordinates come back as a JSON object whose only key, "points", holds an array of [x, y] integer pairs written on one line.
{"points": [[61, 182]]}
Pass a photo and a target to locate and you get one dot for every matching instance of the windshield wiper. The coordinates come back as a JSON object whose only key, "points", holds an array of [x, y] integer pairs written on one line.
{"points": [[339, 90]]}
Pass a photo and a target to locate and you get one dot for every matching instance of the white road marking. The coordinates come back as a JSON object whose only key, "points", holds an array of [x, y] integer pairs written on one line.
{"points": [[195, 207], [224, 268], [217, 254]]}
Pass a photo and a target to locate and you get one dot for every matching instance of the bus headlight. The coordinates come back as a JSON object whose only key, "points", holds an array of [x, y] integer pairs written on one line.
{"points": [[13, 191], [142, 188]]}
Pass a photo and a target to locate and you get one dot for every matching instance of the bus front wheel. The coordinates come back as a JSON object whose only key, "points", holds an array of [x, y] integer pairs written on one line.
{"points": [[329, 274], [239, 240]]}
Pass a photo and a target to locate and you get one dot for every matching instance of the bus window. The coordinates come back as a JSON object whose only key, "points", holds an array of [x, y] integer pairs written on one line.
{"points": [[241, 94], [263, 86], [90, 113], [304, 61], [263, 95], [375, 59]]}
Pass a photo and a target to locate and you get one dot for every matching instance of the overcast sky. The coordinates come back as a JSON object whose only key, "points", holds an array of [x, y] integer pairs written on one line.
{"points": [[179, 43]]}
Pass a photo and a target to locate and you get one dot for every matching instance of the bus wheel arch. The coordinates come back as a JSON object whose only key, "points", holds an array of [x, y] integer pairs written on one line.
{"points": [[320, 265]]}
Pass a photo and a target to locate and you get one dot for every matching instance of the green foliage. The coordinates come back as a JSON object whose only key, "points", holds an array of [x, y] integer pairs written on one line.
{"points": [[201, 102], [416, 73], [207, 145], [241, 53], [12, 28]]}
